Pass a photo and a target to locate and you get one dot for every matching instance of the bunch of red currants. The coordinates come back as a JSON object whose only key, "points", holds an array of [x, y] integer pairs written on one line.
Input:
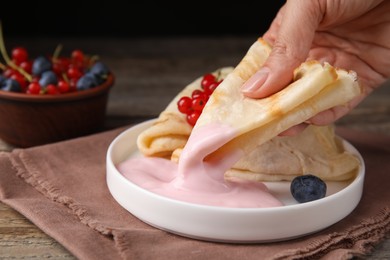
{"points": [[193, 106], [51, 74]]}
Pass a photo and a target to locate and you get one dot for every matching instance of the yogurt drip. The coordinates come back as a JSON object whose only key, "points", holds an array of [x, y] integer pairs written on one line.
{"points": [[197, 178]]}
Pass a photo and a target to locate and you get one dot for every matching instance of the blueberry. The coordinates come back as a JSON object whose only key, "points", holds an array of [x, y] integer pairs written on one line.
{"points": [[10, 85], [307, 188], [40, 65], [100, 70], [2, 80], [87, 81], [47, 78]]}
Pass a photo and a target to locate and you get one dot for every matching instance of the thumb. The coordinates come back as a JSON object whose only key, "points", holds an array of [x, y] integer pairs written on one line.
{"points": [[293, 30]]}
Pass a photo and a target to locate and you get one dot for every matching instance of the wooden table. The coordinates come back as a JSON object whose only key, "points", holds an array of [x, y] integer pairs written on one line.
{"points": [[149, 73]]}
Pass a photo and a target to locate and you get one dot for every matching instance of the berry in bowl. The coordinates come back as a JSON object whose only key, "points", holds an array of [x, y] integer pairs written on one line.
{"points": [[50, 98]]}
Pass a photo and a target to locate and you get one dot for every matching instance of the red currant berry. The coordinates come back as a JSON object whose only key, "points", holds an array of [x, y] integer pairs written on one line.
{"points": [[73, 85], [78, 60], [77, 56], [184, 105], [19, 54], [198, 93], [52, 89], [198, 103], [62, 64], [26, 66], [34, 88], [210, 88], [8, 72], [74, 73], [35, 79], [193, 117], [63, 86], [207, 80]]}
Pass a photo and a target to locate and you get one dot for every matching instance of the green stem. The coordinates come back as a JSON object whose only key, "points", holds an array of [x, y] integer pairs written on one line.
{"points": [[2, 66], [8, 60], [65, 77], [57, 52], [93, 59]]}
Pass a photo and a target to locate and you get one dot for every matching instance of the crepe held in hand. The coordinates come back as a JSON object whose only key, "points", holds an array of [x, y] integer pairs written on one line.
{"points": [[171, 131], [315, 88]]}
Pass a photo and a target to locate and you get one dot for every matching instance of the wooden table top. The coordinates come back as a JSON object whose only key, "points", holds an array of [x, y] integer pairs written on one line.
{"points": [[149, 73]]}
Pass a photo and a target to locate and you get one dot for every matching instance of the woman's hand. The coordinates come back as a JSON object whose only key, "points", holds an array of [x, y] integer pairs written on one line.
{"points": [[352, 35]]}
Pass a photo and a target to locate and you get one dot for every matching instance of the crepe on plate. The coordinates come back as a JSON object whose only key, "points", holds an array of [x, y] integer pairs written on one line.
{"points": [[317, 150]]}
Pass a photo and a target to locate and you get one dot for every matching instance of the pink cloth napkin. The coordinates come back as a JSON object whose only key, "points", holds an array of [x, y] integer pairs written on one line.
{"points": [[62, 189]]}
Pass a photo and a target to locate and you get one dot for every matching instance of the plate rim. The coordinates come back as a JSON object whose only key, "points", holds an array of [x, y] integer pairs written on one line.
{"points": [[357, 183]]}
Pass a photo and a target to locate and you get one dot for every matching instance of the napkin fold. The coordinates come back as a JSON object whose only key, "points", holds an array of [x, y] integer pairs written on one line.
{"points": [[62, 189]]}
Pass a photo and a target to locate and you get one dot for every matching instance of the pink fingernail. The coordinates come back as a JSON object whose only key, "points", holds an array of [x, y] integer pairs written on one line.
{"points": [[256, 81]]}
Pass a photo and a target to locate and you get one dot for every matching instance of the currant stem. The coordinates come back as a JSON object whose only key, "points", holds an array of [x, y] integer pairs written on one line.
{"points": [[57, 52], [65, 77], [93, 59], [2, 66], [8, 60], [219, 74]]}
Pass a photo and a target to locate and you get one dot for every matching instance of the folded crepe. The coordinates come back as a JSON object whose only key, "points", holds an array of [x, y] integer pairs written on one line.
{"points": [[267, 156], [171, 131], [315, 88]]}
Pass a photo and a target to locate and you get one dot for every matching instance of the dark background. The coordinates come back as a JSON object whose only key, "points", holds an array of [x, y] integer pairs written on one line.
{"points": [[136, 18]]}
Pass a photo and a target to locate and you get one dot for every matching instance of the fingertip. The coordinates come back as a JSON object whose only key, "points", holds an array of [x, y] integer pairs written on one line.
{"points": [[267, 81], [276, 74], [252, 86]]}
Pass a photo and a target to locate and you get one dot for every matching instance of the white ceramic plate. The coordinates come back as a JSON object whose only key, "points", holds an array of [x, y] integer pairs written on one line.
{"points": [[230, 224]]}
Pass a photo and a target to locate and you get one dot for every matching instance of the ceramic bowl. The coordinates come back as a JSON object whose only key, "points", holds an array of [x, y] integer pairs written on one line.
{"points": [[30, 120]]}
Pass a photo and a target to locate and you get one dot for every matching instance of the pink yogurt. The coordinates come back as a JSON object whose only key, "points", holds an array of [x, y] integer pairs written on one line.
{"points": [[196, 179]]}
